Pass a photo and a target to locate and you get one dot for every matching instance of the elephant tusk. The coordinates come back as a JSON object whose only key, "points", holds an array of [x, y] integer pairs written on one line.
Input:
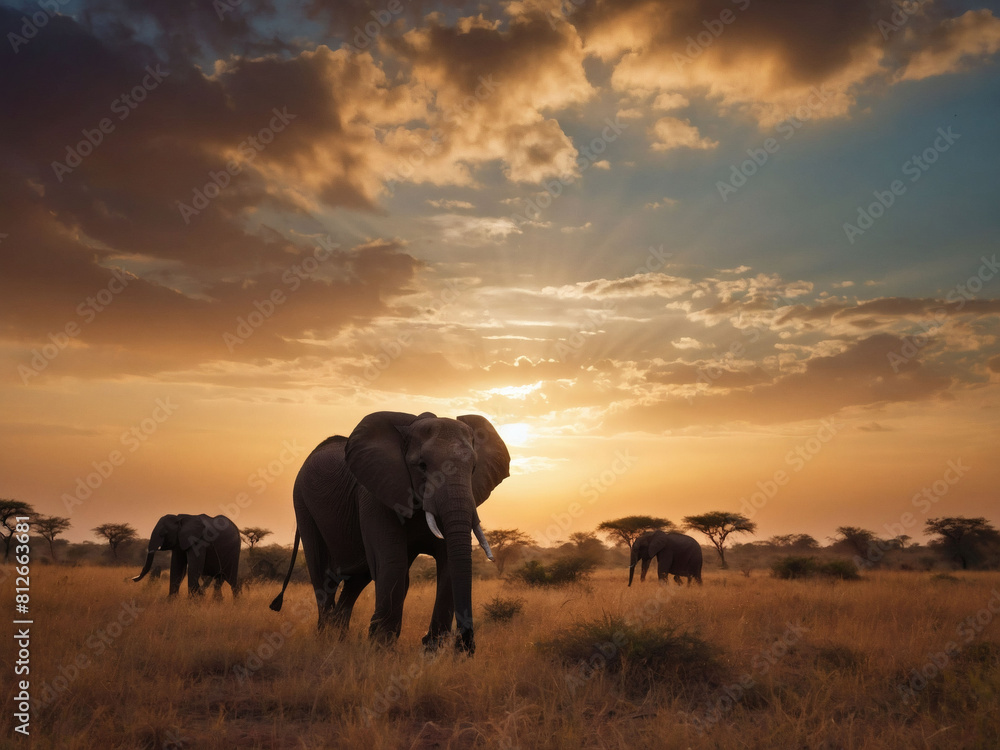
{"points": [[478, 531], [432, 525]]}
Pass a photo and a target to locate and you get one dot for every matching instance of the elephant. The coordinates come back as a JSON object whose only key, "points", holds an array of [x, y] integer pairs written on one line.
{"points": [[202, 546], [676, 554], [399, 486]]}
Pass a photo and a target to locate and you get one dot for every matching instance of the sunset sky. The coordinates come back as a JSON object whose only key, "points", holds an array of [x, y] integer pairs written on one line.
{"points": [[678, 252]]}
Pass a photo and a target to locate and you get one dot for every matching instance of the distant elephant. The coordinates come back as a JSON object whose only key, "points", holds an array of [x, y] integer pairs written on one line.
{"points": [[202, 546], [676, 554], [399, 486]]}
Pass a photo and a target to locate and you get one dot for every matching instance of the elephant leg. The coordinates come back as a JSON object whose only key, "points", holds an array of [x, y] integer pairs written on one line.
{"points": [[645, 569], [353, 586], [178, 566], [323, 578], [677, 580], [217, 594], [444, 607], [196, 567], [388, 560]]}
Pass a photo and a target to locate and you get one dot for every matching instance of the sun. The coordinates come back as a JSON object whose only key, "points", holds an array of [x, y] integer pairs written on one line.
{"points": [[518, 433]]}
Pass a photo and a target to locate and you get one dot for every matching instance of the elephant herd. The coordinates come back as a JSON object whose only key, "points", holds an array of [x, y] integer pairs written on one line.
{"points": [[366, 505]]}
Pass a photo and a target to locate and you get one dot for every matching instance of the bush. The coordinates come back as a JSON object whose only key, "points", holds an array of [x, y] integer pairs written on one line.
{"points": [[643, 656], [502, 610], [845, 570], [793, 567], [564, 571], [806, 567]]}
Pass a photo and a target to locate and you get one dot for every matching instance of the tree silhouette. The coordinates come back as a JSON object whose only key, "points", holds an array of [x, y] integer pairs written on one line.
{"points": [[503, 542], [116, 535], [9, 509], [253, 534], [630, 528], [49, 527], [718, 525], [968, 541], [858, 539]]}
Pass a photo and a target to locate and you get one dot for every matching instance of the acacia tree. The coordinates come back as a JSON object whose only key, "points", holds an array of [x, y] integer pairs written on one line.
{"points": [[630, 528], [9, 509], [116, 535], [253, 534], [858, 539], [503, 542], [968, 541], [717, 526], [50, 527]]}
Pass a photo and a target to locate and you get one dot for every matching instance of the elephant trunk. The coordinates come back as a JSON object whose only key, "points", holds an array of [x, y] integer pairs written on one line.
{"points": [[631, 567], [457, 530], [147, 566]]}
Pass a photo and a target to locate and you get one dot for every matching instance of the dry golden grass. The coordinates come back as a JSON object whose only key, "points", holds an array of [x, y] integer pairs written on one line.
{"points": [[797, 664]]}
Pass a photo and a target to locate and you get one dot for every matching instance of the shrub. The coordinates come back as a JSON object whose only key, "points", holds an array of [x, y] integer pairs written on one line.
{"points": [[564, 571], [845, 570], [502, 610], [642, 656], [806, 567], [793, 567]]}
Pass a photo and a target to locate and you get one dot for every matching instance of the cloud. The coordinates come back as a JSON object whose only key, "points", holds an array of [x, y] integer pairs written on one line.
{"points": [[449, 205], [474, 230], [806, 53], [669, 133]]}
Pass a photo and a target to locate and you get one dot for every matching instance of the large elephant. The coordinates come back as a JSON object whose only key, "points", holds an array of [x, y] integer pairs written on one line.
{"points": [[201, 546], [399, 486], [676, 555]]}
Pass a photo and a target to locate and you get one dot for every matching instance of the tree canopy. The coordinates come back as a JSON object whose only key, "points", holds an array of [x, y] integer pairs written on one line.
{"points": [[503, 542], [629, 528], [116, 535], [252, 535], [49, 527], [971, 542], [9, 510], [717, 526]]}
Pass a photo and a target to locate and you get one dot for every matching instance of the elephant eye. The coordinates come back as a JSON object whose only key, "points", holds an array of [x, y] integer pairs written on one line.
{"points": [[422, 465]]}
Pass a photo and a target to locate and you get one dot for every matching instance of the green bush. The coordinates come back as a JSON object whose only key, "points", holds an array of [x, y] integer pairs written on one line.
{"points": [[845, 570], [642, 656], [502, 610], [561, 572]]}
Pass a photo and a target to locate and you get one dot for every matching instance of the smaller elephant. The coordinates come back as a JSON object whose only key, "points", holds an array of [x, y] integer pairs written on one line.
{"points": [[676, 555], [201, 546]]}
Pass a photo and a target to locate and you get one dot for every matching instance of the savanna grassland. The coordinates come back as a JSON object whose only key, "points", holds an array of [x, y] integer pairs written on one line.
{"points": [[751, 662]]}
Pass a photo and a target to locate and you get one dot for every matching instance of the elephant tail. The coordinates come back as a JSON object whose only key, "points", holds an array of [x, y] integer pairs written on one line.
{"points": [[276, 604]]}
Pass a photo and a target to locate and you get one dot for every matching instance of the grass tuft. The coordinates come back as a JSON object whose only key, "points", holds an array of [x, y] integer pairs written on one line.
{"points": [[502, 609]]}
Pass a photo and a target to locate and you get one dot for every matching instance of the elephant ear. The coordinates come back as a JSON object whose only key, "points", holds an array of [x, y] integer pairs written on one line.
{"points": [[375, 454], [492, 458], [191, 531], [657, 542]]}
